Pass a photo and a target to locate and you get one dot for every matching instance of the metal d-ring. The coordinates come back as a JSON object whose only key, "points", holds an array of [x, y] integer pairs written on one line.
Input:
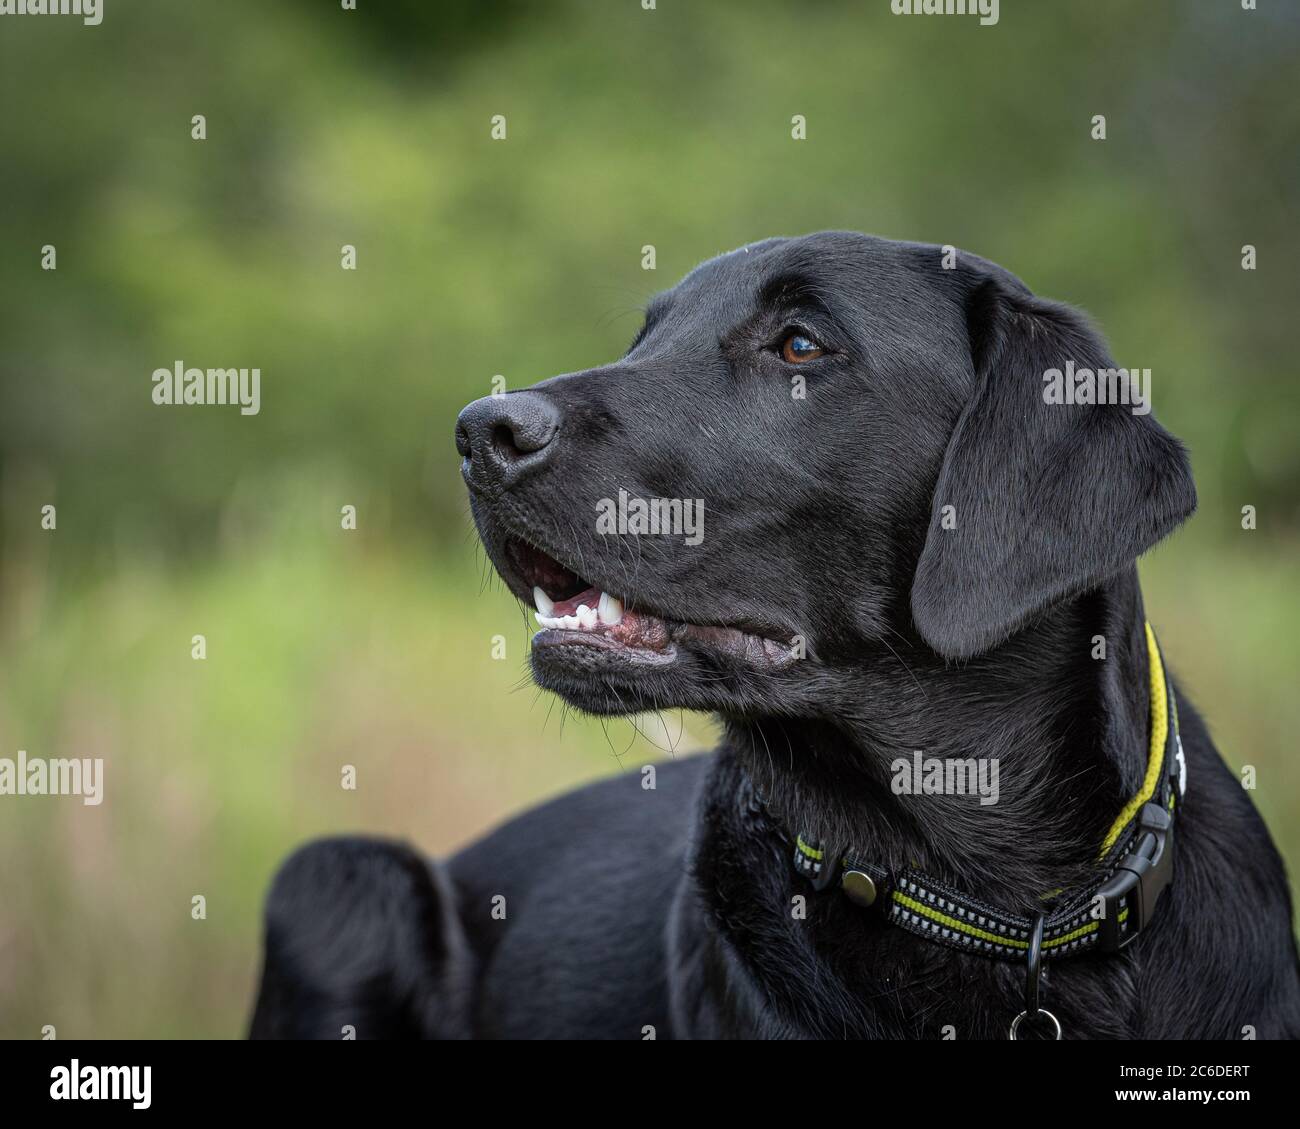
{"points": [[1056, 1023]]}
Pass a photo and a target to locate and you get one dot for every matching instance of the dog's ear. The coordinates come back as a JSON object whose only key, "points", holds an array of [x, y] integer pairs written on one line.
{"points": [[1047, 498]]}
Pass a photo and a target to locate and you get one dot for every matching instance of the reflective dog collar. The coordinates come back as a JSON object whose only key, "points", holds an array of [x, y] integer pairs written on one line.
{"points": [[1135, 865]]}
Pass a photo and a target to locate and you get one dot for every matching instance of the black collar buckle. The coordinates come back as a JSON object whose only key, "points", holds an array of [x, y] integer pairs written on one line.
{"points": [[1139, 879]]}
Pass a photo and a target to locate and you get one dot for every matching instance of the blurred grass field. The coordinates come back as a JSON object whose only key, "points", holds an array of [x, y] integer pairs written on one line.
{"points": [[374, 648]]}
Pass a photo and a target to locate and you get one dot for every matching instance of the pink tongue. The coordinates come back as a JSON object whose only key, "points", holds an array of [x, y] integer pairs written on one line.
{"points": [[591, 597]]}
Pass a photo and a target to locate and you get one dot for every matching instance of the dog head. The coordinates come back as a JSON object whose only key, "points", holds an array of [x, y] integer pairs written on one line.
{"points": [[812, 446]]}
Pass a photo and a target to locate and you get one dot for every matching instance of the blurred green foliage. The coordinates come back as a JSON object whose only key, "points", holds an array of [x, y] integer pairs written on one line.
{"points": [[625, 127]]}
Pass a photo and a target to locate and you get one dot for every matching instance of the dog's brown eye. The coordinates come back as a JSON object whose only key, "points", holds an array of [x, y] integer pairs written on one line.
{"points": [[798, 348]]}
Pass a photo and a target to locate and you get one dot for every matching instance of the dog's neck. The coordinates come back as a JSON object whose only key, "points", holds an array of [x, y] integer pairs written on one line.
{"points": [[1064, 730]]}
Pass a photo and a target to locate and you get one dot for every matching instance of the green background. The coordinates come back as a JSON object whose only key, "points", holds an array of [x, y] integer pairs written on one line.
{"points": [[522, 258]]}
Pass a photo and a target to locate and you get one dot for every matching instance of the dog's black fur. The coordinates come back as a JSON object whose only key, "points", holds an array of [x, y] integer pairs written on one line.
{"points": [[629, 908]]}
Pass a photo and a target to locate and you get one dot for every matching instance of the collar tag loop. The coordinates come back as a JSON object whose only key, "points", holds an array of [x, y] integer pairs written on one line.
{"points": [[1139, 879]]}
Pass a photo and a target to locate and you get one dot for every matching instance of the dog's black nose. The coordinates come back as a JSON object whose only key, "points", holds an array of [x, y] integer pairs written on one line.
{"points": [[503, 438]]}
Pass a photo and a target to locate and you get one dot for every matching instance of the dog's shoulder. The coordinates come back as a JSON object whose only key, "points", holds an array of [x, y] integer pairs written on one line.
{"points": [[639, 810], [566, 906]]}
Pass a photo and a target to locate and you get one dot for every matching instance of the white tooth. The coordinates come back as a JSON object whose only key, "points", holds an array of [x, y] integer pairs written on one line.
{"points": [[587, 617], [546, 620], [610, 609], [568, 622], [544, 603]]}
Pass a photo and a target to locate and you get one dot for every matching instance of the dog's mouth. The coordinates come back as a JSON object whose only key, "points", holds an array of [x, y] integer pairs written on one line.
{"points": [[573, 612]]}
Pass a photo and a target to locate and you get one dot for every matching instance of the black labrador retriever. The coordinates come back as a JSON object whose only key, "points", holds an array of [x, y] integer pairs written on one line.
{"points": [[877, 507]]}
